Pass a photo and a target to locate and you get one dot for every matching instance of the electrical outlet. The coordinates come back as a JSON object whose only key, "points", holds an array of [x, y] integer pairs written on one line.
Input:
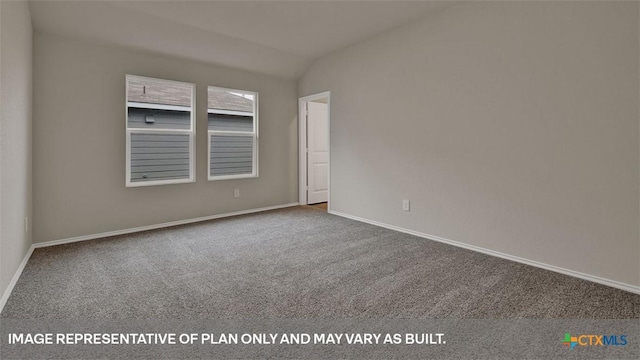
{"points": [[236, 193], [26, 224], [406, 205]]}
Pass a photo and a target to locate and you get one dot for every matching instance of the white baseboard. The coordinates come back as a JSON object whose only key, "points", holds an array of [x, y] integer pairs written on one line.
{"points": [[596, 279], [16, 276], [14, 280], [157, 226]]}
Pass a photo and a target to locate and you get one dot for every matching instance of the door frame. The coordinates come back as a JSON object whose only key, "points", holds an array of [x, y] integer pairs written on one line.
{"points": [[302, 145]]}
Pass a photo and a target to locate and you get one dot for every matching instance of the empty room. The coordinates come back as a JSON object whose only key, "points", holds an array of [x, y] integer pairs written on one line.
{"points": [[319, 179]]}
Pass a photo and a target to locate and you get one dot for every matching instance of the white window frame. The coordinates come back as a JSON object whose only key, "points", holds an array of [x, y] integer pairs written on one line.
{"points": [[191, 132], [254, 114]]}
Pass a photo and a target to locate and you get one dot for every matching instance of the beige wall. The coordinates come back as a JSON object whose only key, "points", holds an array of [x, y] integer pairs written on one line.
{"points": [[15, 137], [512, 126], [79, 142]]}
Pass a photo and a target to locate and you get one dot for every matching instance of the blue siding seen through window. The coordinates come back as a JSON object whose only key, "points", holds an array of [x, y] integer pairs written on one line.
{"points": [[162, 119], [231, 155], [159, 157], [222, 122]]}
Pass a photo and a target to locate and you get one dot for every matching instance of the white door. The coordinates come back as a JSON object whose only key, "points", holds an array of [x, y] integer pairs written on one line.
{"points": [[318, 155]]}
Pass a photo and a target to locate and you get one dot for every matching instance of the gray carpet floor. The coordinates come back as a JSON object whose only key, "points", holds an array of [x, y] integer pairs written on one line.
{"points": [[295, 262]]}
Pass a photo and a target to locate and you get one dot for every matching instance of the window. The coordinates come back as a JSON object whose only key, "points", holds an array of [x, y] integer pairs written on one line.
{"points": [[233, 133], [160, 132]]}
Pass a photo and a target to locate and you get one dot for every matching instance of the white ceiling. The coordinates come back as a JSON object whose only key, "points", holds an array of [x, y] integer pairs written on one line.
{"points": [[278, 38]]}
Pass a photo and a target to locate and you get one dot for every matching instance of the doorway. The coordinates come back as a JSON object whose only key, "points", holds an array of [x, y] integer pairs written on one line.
{"points": [[314, 150]]}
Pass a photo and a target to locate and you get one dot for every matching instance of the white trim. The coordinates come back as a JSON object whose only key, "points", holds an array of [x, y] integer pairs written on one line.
{"points": [[612, 283], [157, 106], [232, 177], [302, 145], [229, 112], [231, 133], [133, 184], [302, 152], [158, 226], [142, 130], [15, 278], [318, 96]]}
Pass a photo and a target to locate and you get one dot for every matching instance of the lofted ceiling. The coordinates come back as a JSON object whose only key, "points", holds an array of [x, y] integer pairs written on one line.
{"points": [[279, 38]]}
